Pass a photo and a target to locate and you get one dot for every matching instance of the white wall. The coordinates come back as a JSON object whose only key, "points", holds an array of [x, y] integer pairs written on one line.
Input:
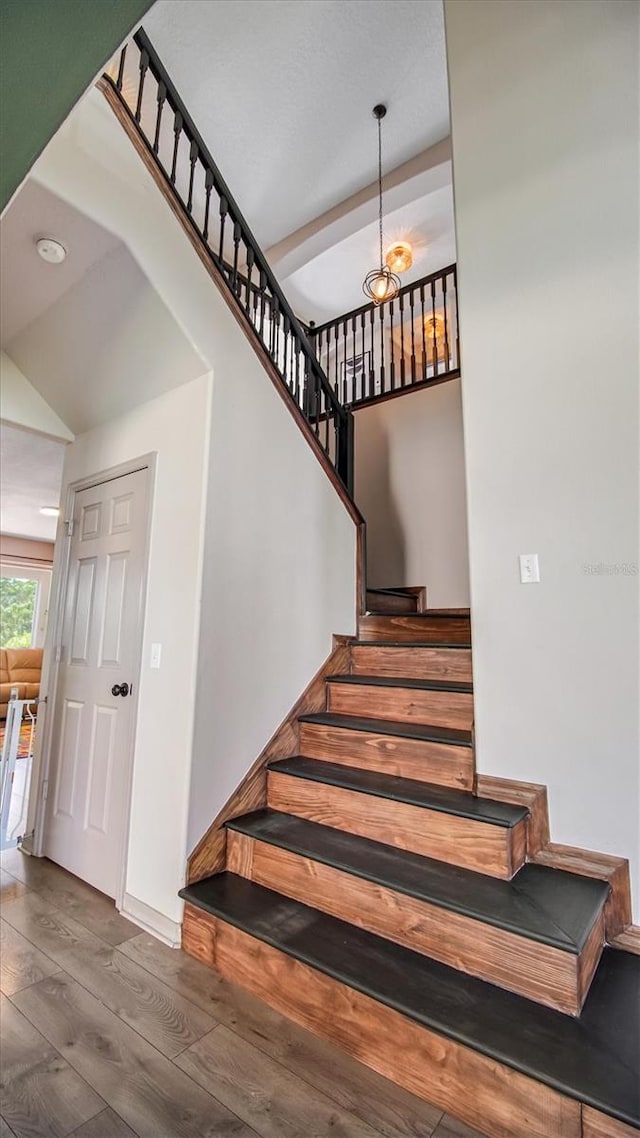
{"points": [[23, 406], [544, 100], [410, 487], [280, 546], [176, 427]]}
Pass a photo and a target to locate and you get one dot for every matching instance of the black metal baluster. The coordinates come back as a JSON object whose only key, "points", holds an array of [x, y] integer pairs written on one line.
{"points": [[208, 186], [316, 404], [193, 158], [223, 210], [237, 235], [433, 329], [364, 359], [413, 339], [401, 318], [160, 99], [345, 392], [275, 328], [123, 56], [144, 66], [372, 374], [392, 366], [382, 375], [250, 263], [263, 286], [336, 385], [447, 365], [424, 342], [285, 336], [296, 390], [326, 421], [357, 372], [177, 131]]}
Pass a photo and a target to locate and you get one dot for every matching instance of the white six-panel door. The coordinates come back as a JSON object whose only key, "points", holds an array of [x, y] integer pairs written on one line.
{"points": [[92, 741]]}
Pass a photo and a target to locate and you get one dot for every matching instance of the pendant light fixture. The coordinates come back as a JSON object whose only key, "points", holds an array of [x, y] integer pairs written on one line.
{"points": [[380, 284]]}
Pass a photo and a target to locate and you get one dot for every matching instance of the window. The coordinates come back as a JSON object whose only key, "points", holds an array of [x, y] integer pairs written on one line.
{"points": [[24, 598]]}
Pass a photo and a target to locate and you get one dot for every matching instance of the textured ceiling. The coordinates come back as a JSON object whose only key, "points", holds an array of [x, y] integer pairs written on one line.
{"points": [[282, 93], [31, 477]]}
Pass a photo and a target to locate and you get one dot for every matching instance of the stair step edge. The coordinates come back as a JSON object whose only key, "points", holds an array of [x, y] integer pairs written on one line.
{"points": [[261, 825], [408, 644], [454, 686], [413, 793], [423, 732]]}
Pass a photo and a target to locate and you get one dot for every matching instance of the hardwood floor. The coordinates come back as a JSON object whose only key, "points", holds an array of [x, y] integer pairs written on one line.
{"points": [[106, 1033]]}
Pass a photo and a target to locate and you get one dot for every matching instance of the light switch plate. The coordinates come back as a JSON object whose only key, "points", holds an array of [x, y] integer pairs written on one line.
{"points": [[529, 569], [156, 653]]}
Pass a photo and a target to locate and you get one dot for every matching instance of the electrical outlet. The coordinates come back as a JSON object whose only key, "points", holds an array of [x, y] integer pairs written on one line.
{"points": [[529, 569]]}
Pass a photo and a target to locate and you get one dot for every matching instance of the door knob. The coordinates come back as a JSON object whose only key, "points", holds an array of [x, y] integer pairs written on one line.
{"points": [[120, 689]]}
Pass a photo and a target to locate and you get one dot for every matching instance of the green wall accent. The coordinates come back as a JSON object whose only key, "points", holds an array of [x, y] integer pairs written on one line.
{"points": [[50, 51]]}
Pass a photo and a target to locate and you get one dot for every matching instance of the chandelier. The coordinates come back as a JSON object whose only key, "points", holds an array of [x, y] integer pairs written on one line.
{"points": [[380, 284]]}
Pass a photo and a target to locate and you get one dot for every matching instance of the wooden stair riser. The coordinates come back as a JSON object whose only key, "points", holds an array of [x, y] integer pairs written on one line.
{"points": [[477, 1089], [598, 1125], [538, 971], [495, 850], [393, 604], [412, 629], [439, 763], [403, 705], [412, 663]]}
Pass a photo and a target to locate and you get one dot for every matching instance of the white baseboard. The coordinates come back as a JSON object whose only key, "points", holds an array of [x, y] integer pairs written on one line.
{"points": [[149, 919]]}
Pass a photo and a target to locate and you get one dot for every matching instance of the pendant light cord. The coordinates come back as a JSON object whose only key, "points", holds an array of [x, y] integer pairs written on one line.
{"points": [[380, 186]]}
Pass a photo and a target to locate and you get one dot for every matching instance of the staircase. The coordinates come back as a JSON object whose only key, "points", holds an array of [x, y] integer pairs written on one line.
{"points": [[364, 879], [381, 902]]}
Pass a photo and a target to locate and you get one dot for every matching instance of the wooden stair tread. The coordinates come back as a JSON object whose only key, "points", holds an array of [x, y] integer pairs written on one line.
{"points": [[459, 802], [543, 904], [593, 1058], [454, 735], [457, 686]]}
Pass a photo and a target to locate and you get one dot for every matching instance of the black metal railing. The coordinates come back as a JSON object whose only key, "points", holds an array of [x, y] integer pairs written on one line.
{"points": [[381, 350], [170, 135]]}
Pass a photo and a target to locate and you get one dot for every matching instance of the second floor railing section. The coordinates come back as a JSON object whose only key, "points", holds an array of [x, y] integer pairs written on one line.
{"points": [[378, 351], [170, 135]]}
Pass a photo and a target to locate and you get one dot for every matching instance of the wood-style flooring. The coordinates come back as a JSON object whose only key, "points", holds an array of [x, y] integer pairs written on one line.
{"points": [[106, 1033]]}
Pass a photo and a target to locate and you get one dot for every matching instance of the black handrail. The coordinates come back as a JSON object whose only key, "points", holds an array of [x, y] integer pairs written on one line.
{"points": [[378, 351], [194, 177]]}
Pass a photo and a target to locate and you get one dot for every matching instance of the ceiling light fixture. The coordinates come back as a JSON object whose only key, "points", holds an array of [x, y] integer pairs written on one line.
{"points": [[399, 257], [434, 326], [50, 511], [380, 284], [51, 251]]}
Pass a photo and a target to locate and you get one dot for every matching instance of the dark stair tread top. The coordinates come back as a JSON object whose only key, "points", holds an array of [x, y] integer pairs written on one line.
{"points": [[422, 731], [426, 615], [544, 904], [456, 686], [593, 1058], [408, 790], [408, 644]]}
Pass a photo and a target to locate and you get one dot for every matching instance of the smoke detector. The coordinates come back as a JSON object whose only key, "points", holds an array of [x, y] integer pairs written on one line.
{"points": [[51, 251]]}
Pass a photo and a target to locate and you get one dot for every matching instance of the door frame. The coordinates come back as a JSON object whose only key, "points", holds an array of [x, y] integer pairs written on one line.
{"points": [[52, 652]]}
